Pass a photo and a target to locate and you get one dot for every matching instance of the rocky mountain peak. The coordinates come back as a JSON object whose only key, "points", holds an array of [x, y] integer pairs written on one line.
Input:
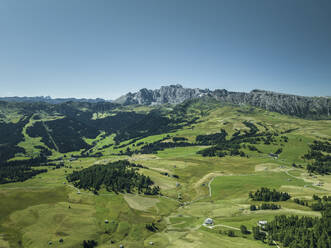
{"points": [[308, 107]]}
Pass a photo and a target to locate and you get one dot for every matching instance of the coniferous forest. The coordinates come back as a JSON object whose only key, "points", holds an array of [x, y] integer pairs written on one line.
{"points": [[267, 195], [319, 155], [120, 176], [302, 232]]}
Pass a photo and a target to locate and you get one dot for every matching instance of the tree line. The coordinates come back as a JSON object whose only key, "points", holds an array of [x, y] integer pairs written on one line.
{"points": [[267, 195], [264, 206]]}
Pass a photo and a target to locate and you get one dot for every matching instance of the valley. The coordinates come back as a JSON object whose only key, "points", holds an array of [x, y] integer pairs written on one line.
{"points": [[205, 156]]}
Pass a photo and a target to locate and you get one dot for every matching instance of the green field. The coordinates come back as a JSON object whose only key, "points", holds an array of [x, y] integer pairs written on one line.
{"points": [[47, 208]]}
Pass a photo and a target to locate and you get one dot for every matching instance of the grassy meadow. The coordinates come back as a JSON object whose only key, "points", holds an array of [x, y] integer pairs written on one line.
{"points": [[37, 213]]}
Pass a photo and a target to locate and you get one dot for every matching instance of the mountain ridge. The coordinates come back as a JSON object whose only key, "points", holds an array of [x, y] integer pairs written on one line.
{"points": [[289, 104], [300, 106], [49, 99]]}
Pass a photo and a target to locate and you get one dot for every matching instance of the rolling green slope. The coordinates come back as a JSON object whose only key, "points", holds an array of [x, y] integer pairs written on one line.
{"points": [[47, 208]]}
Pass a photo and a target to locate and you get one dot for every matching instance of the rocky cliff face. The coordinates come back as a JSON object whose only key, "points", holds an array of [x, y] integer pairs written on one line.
{"points": [[306, 107], [172, 94]]}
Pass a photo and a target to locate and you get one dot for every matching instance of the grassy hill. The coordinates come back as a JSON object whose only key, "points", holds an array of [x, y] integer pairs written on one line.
{"points": [[46, 208]]}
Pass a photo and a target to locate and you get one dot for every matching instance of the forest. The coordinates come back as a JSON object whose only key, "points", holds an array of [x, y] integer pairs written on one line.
{"points": [[66, 134], [120, 176], [321, 204], [319, 154], [160, 145], [10, 136], [302, 232], [267, 195], [20, 170]]}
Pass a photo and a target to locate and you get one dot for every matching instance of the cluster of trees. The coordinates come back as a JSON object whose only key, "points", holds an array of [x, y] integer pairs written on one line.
{"points": [[212, 139], [21, 170], [89, 243], [284, 138], [152, 227], [252, 148], [321, 204], [244, 229], [297, 165], [221, 146], [259, 234], [160, 146], [268, 139], [120, 176], [300, 202], [265, 206], [301, 232], [222, 150], [279, 151], [321, 146], [153, 148], [20, 173], [179, 139], [267, 195], [320, 154]]}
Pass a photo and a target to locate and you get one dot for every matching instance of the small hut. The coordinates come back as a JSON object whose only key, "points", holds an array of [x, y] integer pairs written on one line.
{"points": [[262, 223], [209, 221]]}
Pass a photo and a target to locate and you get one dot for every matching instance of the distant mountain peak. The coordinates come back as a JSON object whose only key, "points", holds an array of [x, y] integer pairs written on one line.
{"points": [[301, 106], [49, 99], [172, 94]]}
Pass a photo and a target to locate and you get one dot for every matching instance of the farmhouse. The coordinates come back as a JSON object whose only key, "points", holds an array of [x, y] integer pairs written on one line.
{"points": [[208, 221]]}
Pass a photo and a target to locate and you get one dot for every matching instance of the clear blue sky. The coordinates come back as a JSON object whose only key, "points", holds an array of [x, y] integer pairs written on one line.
{"points": [[105, 48]]}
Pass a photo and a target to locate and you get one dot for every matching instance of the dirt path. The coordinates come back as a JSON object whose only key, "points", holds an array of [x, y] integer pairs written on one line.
{"points": [[287, 173], [231, 227], [209, 186]]}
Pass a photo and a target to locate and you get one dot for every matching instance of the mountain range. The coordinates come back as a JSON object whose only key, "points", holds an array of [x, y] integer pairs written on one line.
{"points": [[294, 105], [49, 99], [301, 106]]}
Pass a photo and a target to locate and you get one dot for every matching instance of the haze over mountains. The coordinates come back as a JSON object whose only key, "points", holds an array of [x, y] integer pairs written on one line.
{"points": [[49, 99], [301, 106]]}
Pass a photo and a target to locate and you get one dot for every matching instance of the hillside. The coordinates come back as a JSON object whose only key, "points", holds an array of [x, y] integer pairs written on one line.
{"points": [[149, 175]]}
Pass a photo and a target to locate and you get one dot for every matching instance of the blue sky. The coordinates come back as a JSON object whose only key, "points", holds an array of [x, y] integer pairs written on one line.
{"points": [[105, 48]]}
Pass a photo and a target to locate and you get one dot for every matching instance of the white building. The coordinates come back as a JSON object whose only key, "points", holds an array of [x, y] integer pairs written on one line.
{"points": [[209, 221], [262, 223]]}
